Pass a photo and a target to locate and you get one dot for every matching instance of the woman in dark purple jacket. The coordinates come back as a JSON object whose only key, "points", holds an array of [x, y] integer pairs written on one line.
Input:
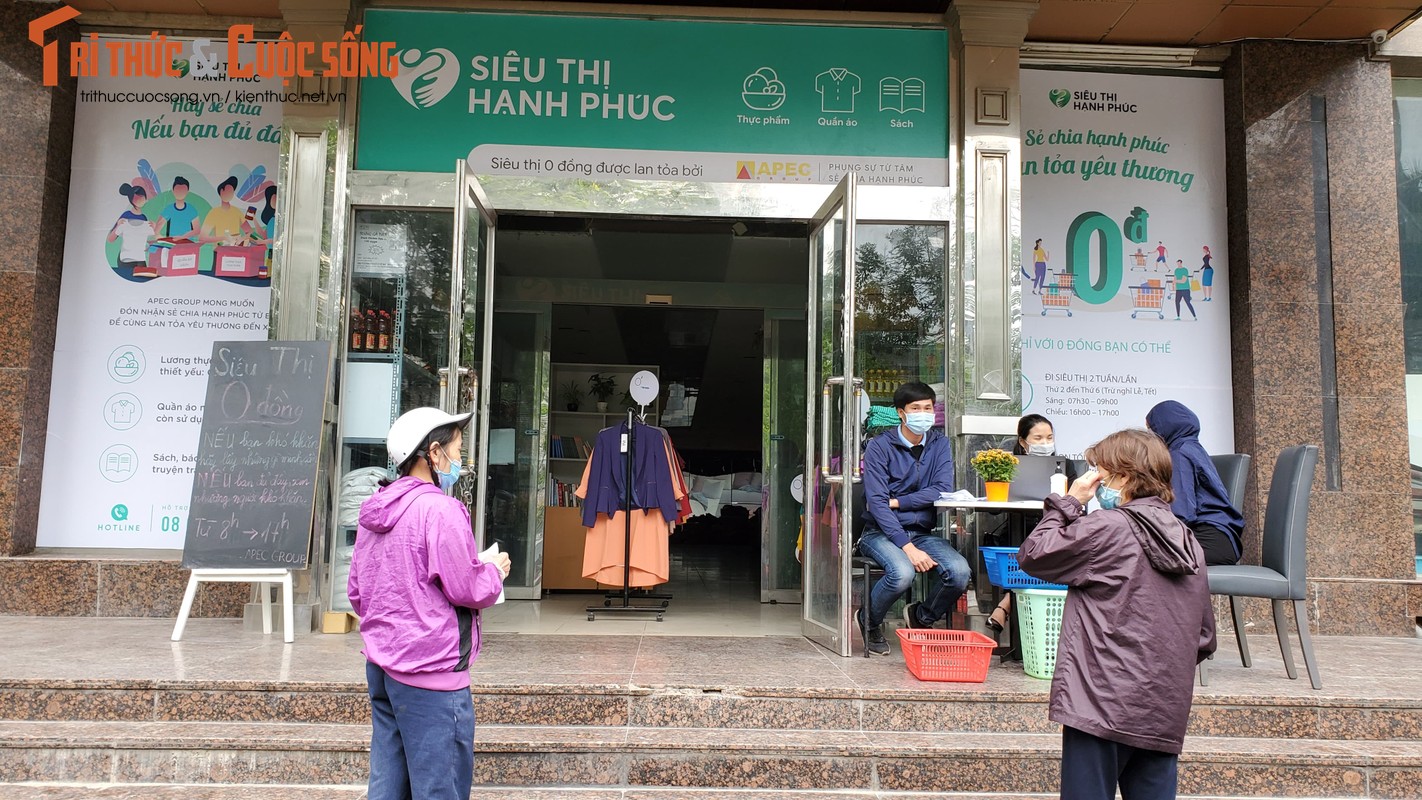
{"points": [[1137, 621]]}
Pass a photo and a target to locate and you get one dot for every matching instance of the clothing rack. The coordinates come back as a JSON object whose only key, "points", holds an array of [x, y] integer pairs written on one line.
{"points": [[628, 447]]}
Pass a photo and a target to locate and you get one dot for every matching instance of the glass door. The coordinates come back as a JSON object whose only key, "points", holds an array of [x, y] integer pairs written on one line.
{"points": [[832, 432], [783, 454], [517, 481], [470, 314]]}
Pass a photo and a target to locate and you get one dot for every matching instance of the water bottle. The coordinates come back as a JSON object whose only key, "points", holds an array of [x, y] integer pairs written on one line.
{"points": [[1059, 480]]}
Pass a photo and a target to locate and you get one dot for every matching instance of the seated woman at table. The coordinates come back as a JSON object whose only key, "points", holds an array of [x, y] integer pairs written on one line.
{"points": [[1201, 501], [1035, 437]]}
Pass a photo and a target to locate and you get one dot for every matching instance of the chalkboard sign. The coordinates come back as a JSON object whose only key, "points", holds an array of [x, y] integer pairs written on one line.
{"points": [[255, 480]]}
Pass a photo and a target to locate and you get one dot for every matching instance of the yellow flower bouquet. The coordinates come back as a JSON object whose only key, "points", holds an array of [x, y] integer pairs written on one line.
{"points": [[995, 466]]}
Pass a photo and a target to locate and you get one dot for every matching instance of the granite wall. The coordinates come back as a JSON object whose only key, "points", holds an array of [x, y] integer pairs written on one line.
{"points": [[35, 144], [1317, 328]]}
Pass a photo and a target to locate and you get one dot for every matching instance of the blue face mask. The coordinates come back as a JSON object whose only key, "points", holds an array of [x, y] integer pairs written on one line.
{"points": [[448, 479], [1042, 449], [1108, 498], [918, 421]]}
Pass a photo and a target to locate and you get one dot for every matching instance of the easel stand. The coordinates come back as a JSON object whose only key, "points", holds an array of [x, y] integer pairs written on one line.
{"points": [[263, 577], [629, 452]]}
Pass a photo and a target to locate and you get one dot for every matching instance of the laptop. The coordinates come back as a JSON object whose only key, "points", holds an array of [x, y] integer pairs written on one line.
{"points": [[1034, 477]]}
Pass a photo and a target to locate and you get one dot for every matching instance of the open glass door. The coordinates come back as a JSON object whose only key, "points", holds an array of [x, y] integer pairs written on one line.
{"points": [[470, 297], [832, 432]]}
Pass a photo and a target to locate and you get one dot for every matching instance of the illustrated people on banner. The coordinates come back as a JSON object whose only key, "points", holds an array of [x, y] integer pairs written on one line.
{"points": [[224, 223], [133, 230], [1138, 260], [1207, 274], [1160, 255], [1182, 290], [1039, 268], [179, 216], [268, 231]]}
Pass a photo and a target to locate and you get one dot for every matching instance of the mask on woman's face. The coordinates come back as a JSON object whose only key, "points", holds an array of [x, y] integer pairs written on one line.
{"points": [[1042, 449], [919, 421], [448, 478], [1108, 498]]}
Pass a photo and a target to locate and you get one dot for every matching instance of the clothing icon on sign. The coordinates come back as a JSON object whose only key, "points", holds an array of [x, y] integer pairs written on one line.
{"points": [[901, 94], [122, 411], [837, 87]]}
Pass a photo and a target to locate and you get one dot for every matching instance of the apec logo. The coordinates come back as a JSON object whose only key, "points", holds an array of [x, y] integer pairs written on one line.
{"points": [[425, 79]]}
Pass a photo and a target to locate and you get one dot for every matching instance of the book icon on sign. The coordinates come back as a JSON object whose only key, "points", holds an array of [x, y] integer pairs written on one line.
{"points": [[901, 94]]}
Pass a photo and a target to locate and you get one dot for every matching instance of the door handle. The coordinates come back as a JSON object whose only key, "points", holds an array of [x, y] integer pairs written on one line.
{"points": [[835, 380], [858, 452]]}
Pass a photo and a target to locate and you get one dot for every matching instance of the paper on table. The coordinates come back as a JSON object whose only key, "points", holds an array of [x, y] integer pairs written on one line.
{"points": [[488, 556], [960, 496]]}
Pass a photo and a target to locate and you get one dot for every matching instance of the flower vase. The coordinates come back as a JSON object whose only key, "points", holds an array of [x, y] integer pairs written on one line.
{"points": [[996, 491], [602, 407]]}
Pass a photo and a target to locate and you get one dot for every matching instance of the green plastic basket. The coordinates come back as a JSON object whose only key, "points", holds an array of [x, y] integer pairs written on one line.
{"points": [[1039, 612]]}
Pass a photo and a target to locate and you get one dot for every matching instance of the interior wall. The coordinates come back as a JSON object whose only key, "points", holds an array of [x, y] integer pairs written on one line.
{"points": [[717, 350]]}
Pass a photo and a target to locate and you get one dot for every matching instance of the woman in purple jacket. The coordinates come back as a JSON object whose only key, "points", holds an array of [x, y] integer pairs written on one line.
{"points": [[1137, 621], [417, 585]]}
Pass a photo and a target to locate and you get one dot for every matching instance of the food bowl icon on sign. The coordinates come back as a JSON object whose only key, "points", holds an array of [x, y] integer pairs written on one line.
{"points": [[762, 90]]}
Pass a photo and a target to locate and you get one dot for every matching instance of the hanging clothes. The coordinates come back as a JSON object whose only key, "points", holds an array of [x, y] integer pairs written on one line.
{"points": [[659, 502]]}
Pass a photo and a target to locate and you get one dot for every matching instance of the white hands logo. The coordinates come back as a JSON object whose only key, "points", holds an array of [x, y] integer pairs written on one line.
{"points": [[424, 82]]}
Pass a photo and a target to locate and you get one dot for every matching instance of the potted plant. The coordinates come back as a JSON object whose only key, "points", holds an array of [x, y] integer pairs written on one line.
{"points": [[572, 395], [602, 387], [996, 468]]}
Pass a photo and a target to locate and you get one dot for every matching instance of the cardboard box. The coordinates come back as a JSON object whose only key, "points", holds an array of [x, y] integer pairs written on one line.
{"points": [[338, 622], [175, 259], [238, 261]]}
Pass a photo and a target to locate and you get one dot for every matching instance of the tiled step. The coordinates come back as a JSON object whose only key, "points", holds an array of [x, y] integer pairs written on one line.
{"points": [[154, 791], [631, 757], [951, 708]]}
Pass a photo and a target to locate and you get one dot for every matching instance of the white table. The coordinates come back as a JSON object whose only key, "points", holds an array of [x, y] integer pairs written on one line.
{"points": [[990, 506]]}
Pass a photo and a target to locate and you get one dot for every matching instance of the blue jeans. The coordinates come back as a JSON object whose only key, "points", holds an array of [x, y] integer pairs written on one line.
{"points": [[422, 742], [952, 574]]}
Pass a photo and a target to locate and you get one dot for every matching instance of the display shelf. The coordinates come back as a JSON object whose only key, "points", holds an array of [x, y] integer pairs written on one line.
{"points": [[362, 356]]}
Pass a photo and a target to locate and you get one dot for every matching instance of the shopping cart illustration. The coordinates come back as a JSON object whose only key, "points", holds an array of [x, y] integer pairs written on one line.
{"points": [[1057, 295], [1148, 297]]}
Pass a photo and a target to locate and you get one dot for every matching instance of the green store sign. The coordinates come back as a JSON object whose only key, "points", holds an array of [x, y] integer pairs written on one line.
{"points": [[616, 97]]}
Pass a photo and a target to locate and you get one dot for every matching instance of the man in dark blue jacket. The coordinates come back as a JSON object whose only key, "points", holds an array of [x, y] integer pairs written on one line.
{"points": [[904, 472], [1201, 501]]}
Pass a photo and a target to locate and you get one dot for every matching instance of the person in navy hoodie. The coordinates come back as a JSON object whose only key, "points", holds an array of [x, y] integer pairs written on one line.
{"points": [[904, 472], [1201, 501], [417, 584]]}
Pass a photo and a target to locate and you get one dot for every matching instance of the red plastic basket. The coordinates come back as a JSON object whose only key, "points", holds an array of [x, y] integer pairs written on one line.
{"points": [[936, 655]]}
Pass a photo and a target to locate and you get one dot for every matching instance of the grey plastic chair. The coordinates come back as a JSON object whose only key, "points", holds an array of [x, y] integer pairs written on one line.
{"points": [[1281, 578], [1234, 474]]}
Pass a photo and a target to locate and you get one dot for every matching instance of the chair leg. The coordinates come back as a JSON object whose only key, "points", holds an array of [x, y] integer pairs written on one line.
{"points": [[864, 608], [1204, 672], [1306, 644], [1237, 615], [1283, 632]]}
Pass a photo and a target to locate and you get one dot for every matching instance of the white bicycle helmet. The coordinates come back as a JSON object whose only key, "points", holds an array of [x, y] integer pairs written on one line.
{"points": [[409, 432]]}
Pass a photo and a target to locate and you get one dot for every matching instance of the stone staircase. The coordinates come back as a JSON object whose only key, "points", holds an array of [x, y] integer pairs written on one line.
{"points": [[255, 740]]}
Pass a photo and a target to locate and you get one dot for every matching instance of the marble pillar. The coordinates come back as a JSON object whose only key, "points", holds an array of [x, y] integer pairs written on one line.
{"points": [[35, 146], [1317, 317]]}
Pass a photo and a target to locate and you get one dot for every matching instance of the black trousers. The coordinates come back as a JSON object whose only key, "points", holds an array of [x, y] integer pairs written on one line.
{"points": [[1093, 767], [1217, 544]]}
